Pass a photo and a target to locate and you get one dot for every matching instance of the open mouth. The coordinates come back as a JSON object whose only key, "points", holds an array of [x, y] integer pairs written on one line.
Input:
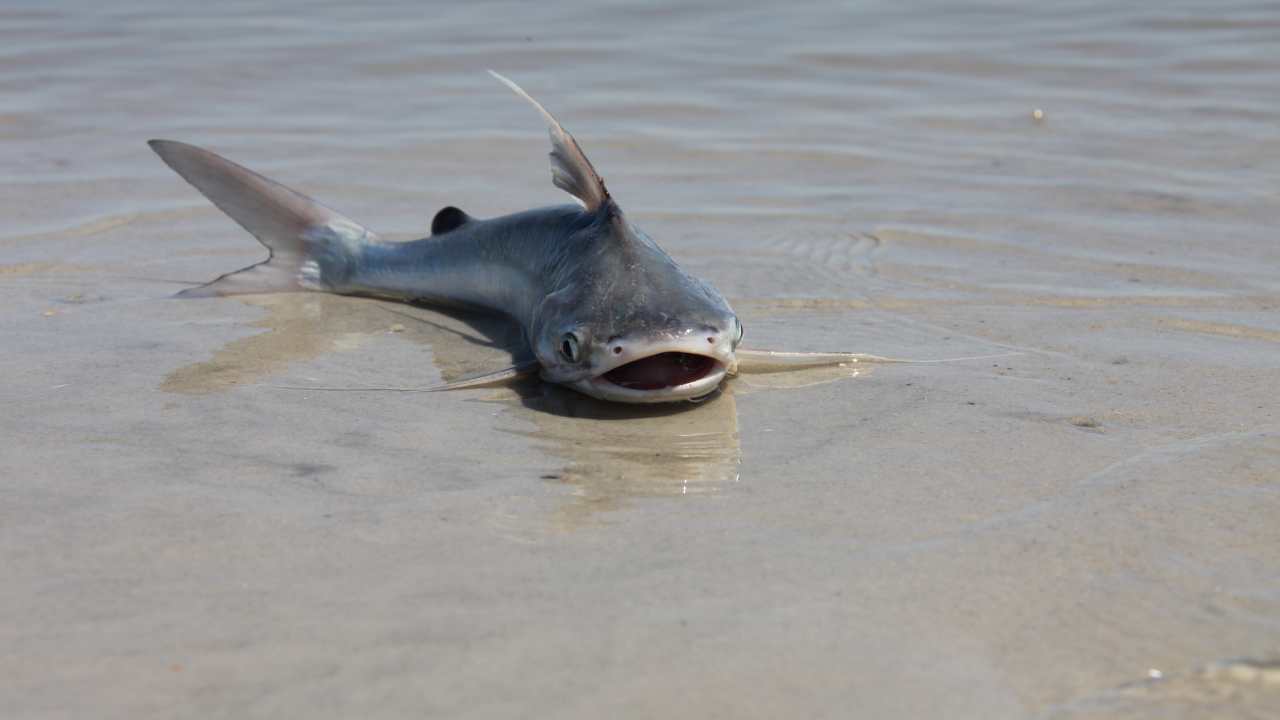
{"points": [[661, 371]]}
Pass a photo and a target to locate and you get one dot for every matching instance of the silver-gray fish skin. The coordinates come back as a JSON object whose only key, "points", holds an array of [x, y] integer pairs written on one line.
{"points": [[604, 309], [557, 271]]}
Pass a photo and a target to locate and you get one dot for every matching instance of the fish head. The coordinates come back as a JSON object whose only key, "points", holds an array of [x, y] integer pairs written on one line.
{"points": [[628, 325]]}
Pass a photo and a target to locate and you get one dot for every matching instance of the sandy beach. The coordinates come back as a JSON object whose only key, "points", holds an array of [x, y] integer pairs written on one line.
{"points": [[1085, 524]]}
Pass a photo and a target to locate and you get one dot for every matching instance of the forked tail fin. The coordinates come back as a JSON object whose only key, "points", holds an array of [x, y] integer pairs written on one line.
{"points": [[310, 245]]}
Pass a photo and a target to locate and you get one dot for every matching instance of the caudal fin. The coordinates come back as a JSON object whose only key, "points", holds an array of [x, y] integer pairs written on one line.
{"points": [[308, 243]]}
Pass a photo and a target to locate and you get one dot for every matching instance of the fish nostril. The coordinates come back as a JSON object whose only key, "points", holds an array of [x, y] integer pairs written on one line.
{"points": [[711, 340], [617, 349]]}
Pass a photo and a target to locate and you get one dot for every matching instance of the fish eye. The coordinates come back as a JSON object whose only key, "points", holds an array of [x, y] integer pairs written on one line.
{"points": [[569, 347], [741, 330]]}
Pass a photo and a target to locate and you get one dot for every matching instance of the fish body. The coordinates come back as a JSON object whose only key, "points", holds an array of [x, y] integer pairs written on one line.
{"points": [[604, 309]]}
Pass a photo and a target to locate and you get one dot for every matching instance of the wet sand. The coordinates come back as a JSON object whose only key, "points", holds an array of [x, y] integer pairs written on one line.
{"points": [[1086, 527]]}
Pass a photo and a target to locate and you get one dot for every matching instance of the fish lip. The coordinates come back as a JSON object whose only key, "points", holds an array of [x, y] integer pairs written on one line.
{"points": [[609, 390], [719, 351], [601, 386]]}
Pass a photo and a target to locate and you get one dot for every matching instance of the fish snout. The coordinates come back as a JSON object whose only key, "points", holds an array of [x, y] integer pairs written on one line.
{"points": [[665, 368], [705, 342]]}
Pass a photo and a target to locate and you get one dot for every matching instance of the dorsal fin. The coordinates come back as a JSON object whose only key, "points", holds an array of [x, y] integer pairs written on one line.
{"points": [[448, 219], [571, 171]]}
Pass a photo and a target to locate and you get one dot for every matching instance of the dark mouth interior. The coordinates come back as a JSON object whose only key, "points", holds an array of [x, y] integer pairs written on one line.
{"points": [[660, 371]]}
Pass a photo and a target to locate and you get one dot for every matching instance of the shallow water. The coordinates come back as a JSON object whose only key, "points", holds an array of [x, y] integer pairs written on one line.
{"points": [[1025, 536]]}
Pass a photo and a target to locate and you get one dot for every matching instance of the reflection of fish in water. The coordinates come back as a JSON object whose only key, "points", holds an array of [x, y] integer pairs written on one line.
{"points": [[614, 455], [603, 308]]}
